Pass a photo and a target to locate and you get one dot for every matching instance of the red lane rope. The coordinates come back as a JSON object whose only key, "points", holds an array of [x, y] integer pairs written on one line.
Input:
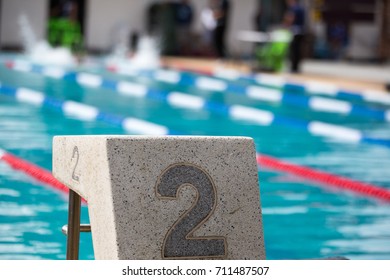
{"points": [[34, 171], [325, 178], [308, 173]]}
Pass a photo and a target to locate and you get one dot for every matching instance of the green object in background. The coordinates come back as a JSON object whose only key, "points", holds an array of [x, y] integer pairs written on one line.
{"points": [[65, 32], [273, 55]]}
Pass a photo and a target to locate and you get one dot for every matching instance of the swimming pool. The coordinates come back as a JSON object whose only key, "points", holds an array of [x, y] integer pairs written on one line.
{"points": [[301, 219]]}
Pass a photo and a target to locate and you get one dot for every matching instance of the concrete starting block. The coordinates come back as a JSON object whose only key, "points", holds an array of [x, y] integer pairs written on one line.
{"points": [[166, 197]]}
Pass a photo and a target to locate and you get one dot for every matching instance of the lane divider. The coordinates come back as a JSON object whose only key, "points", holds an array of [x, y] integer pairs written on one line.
{"points": [[35, 98], [316, 103], [322, 88], [182, 100], [44, 176], [263, 160], [33, 171], [329, 179], [284, 84], [82, 111]]}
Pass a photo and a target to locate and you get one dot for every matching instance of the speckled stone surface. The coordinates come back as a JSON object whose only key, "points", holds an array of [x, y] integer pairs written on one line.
{"points": [[166, 197]]}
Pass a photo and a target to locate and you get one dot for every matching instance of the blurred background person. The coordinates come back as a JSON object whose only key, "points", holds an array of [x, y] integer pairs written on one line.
{"points": [[221, 10], [295, 20]]}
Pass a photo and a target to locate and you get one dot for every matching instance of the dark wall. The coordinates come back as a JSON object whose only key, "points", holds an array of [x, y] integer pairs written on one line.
{"points": [[272, 12], [349, 10]]}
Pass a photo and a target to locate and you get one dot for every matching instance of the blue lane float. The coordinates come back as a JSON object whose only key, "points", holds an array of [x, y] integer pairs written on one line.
{"points": [[310, 87], [315, 103], [227, 78], [264, 118], [84, 112], [186, 101], [267, 94]]}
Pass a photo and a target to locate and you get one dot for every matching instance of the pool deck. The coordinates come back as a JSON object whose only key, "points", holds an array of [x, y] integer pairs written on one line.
{"points": [[351, 76]]}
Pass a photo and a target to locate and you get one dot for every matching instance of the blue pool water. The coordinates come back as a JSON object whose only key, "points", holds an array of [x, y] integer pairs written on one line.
{"points": [[301, 219]]}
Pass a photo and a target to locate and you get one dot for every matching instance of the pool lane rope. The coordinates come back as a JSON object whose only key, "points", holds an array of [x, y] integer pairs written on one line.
{"points": [[32, 170], [182, 100], [319, 104], [263, 161], [328, 179], [282, 83], [85, 112]]}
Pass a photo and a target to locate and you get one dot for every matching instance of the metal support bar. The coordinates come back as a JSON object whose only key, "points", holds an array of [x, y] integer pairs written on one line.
{"points": [[83, 228], [73, 229]]}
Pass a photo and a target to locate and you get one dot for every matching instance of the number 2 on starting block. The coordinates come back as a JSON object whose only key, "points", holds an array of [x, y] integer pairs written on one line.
{"points": [[166, 197]]}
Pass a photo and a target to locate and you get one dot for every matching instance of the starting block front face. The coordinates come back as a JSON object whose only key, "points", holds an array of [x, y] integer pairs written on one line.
{"points": [[166, 197]]}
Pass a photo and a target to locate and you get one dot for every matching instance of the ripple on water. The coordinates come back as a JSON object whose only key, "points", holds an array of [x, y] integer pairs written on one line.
{"points": [[9, 192]]}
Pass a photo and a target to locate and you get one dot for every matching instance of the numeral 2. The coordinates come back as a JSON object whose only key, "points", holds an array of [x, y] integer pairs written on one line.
{"points": [[179, 241], [75, 154]]}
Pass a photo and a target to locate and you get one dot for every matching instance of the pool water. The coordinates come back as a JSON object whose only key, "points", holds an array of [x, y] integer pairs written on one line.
{"points": [[302, 219]]}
